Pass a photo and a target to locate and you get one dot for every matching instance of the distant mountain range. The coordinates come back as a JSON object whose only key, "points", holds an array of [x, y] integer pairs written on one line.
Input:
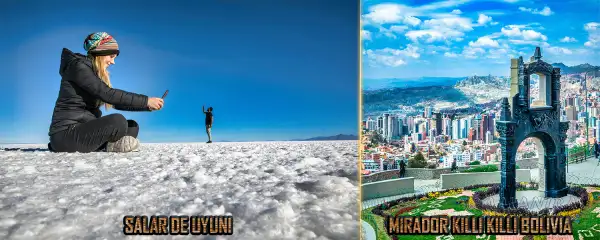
{"points": [[385, 83], [411, 94], [484, 81], [377, 84], [339, 137], [581, 68]]}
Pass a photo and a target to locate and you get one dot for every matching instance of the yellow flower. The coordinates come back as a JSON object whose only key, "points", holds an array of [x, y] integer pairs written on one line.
{"points": [[590, 199], [492, 213], [471, 202], [571, 213]]}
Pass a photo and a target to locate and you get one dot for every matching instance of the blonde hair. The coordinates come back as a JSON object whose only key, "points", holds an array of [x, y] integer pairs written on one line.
{"points": [[102, 72]]}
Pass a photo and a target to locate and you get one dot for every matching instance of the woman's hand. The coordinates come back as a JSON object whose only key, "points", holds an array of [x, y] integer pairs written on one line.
{"points": [[155, 103]]}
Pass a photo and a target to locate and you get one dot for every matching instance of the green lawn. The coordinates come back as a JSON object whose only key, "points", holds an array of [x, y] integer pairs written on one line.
{"points": [[586, 220]]}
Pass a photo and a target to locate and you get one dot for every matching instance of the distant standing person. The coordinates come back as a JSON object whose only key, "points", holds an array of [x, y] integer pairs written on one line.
{"points": [[402, 168], [453, 167], [596, 149], [208, 122]]}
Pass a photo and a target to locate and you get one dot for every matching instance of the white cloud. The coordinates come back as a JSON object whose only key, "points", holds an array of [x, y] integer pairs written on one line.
{"points": [[413, 21], [559, 50], [392, 31], [544, 12], [533, 35], [392, 57], [593, 29], [511, 31], [398, 28], [385, 13], [387, 32], [442, 5], [497, 53], [428, 36], [366, 35], [450, 55], [514, 31], [485, 47], [485, 41], [472, 52], [528, 42], [484, 19], [442, 26], [433, 49], [441, 29], [568, 39], [458, 23]]}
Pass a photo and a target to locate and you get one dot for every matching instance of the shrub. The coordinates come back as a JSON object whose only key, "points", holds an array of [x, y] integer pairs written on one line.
{"points": [[484, 168], [474, 163], [418, 161], [432, 165]]}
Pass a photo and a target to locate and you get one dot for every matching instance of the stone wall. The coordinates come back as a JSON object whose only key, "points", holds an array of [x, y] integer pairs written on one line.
{"points": [[386, 188], [429, 174]]}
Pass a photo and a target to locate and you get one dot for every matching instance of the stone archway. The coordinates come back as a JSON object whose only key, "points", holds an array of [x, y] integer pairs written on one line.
{"points": [[519, 120]]}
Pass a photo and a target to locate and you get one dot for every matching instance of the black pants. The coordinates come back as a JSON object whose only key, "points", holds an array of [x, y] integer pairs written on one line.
{"points": [[93, 135]]}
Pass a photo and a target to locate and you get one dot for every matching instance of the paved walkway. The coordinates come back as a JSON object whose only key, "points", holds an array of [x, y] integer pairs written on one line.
{"points": [[587, 172], [368, 230]]}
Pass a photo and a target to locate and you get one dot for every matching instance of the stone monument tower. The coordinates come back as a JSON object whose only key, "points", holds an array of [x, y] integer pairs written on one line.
{"points": [[540, 120]]}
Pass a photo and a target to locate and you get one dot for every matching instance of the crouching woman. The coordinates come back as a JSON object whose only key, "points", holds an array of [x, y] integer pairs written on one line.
{"points": [[77, 122]]}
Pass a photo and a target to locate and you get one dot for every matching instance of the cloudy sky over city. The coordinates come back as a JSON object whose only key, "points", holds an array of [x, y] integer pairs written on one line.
{"points": [[455, 38]]}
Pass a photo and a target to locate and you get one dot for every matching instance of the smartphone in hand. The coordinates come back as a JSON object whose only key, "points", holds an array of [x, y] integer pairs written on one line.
{"points": [[165, 95]]}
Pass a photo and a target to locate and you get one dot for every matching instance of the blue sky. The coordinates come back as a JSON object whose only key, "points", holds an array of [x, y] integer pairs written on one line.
{"points": [[271, 70], [455, 38]]}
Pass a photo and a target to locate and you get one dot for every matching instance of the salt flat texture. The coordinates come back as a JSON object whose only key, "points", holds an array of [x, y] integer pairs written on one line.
{"points": [[274, 190]]}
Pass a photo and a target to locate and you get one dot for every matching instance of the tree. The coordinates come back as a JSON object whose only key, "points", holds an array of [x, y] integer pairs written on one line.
{"points": [[418, 161], [464, 143], [377, 138]]}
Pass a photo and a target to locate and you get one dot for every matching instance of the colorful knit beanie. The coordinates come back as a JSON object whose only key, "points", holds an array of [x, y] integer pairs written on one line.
{"points": [[100, 44]]}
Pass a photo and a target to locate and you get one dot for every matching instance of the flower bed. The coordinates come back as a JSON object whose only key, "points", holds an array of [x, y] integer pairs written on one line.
{"points": [[458, 202], [405, 210], [581, 193]]}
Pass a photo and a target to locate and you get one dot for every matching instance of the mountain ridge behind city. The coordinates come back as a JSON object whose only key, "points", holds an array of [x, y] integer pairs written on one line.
{"points": [[409, 95]]}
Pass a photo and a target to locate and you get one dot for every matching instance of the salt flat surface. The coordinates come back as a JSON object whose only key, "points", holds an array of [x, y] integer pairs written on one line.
{"points": [[274, 190]]}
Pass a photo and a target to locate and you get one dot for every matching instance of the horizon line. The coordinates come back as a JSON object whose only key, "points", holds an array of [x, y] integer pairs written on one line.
{"points": [[241, 141]]}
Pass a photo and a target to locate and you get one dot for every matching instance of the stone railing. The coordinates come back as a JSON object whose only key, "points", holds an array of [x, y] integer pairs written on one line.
{"points": [[429, 174], [386, 188]]}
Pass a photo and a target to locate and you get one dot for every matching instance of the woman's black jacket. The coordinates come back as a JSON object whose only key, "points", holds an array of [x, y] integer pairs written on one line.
{"points": [[81, 91]]}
